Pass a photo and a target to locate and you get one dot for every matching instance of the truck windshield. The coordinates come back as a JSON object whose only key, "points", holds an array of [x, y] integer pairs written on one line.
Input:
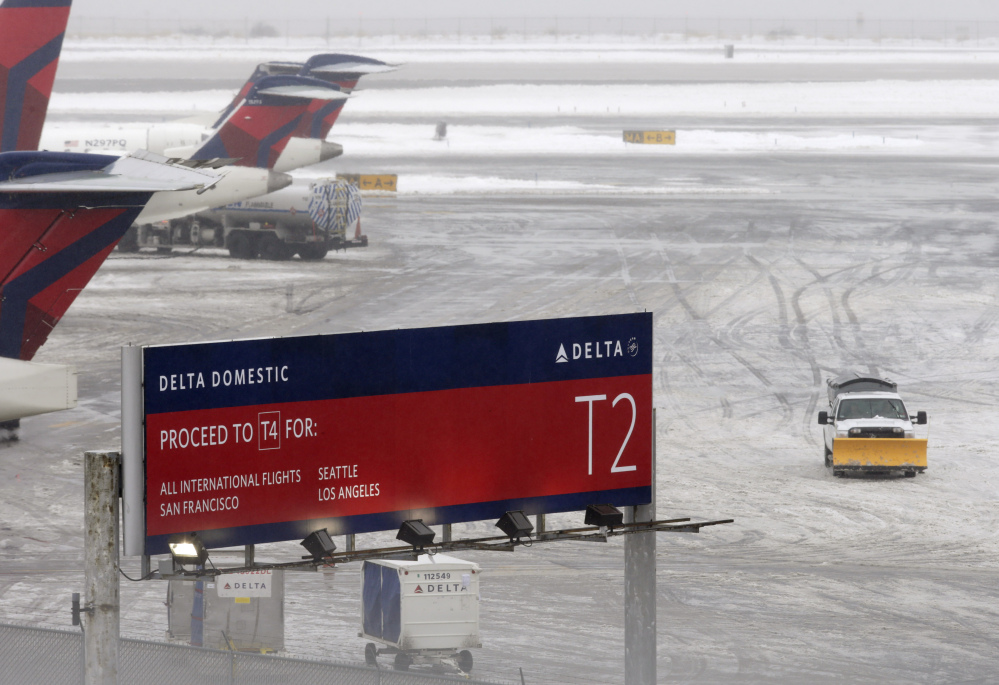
{"points": [[871, 408]]}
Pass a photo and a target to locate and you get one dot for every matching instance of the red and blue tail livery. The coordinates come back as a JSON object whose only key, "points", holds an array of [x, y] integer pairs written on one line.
{"points": [[61, 214], [31, 34], [341, 70], [262, 71], [275, 109]]}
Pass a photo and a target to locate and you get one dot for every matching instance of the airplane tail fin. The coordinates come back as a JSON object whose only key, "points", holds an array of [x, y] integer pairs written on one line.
{"points": [[31, 34], [343, 71], [275, 109], [62, 215], [262, 71]]}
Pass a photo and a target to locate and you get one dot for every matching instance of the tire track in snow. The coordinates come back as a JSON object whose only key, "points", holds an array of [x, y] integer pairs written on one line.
{"points": [[717, 340]]}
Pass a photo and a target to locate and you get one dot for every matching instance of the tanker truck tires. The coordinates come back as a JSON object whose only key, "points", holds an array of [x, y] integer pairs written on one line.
{"points": [[274, 249], [241, 245], [313, 252]]}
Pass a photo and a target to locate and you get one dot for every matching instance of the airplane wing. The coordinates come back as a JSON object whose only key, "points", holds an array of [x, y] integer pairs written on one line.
{"points": [[140, 172]]}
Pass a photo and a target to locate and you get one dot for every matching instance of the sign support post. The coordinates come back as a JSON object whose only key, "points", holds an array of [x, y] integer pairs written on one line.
{"points": [[132, 468], [640, 590], [100, 518]]}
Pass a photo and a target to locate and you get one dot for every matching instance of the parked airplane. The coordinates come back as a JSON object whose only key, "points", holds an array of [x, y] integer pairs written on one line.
{"points": [[31, 37], [61, 214], [341, 71], [273, 117]]}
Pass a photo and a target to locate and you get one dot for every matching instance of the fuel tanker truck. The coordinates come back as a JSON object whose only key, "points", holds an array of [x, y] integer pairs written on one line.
{"points": [[868, 429], [307, 219]]}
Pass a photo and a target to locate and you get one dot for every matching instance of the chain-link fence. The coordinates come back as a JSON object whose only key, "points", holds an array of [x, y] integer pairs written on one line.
{"points": [[38, 656], [743, 29]]}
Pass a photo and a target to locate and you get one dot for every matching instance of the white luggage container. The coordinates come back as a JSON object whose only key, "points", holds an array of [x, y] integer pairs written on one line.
{"points": [[425, 611]]}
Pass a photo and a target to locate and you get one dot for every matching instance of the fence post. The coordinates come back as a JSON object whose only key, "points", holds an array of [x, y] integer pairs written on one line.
{"points": [[100, 551]]}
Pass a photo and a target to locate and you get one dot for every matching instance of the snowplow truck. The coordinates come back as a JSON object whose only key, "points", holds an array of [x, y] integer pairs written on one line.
{"points": [[307, 219], [868, 430]]}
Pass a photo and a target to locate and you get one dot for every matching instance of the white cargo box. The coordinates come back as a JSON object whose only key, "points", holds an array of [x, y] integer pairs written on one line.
{"points": [[430, 603]]}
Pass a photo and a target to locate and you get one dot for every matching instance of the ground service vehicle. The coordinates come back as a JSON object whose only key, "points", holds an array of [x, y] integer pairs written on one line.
{"points": [[303, 219], [423, 612], [868, 429]]}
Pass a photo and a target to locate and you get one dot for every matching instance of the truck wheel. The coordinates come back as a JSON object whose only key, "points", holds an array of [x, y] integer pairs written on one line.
{"points": [[240, 246], [828, 455], [402, 661], [371, 654], [273, 248], [313, 252], [465, 661]]}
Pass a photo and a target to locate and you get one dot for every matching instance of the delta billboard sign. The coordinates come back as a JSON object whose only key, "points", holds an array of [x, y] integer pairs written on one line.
{"points": [[257, 441]]}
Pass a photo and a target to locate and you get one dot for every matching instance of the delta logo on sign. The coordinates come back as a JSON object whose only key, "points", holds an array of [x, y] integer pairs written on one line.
{"points": [[248, 584], [604, 349], [359, 432]]}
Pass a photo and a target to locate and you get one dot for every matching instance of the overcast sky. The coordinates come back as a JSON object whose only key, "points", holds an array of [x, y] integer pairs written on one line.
{"points": [[275, 11]]}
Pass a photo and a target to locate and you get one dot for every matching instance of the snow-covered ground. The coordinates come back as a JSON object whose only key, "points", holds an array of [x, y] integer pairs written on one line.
{"points": [[768, 268]]}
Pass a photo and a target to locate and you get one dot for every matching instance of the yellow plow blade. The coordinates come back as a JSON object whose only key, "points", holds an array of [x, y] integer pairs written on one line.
{"points": [[898, 453]]}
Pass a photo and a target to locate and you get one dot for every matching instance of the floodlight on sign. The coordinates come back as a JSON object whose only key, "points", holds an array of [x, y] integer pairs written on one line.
{"points": [[415, 533], [603, 515], [187, 548], [319, 544], [515, 525]]}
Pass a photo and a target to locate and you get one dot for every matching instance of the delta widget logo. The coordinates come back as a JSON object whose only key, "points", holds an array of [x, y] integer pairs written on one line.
{"points": [[633, 347], [595, 349]]}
